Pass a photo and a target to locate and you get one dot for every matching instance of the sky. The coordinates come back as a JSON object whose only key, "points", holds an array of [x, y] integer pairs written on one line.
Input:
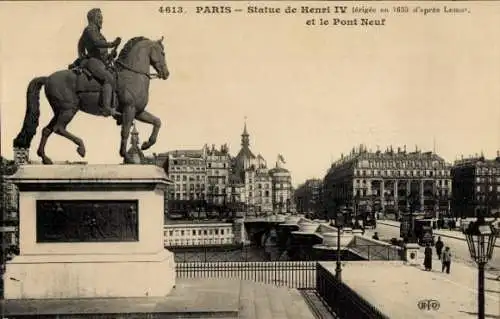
{"points": [[307, 92]]}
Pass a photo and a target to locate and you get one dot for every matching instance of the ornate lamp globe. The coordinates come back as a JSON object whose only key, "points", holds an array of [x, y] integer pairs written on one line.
{"points": [[481, 237]]}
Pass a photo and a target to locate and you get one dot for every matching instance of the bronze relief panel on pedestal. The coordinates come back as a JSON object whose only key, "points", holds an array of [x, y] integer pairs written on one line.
{"points": [[62, 221]]}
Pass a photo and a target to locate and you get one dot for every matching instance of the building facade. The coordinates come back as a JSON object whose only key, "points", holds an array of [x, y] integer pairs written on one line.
{"points": [[476, 187], [252, 172], [218, 162], [187, 170], [281, 181], [389, 182], [194, 234], [308, 197], [211, 180]]}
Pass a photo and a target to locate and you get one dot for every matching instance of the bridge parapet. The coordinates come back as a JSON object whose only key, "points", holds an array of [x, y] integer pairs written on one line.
{"points": [[373, 249]]}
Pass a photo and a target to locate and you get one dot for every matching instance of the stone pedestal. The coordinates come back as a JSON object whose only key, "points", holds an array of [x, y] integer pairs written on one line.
{"points": [[90, 231], [411, 253]]}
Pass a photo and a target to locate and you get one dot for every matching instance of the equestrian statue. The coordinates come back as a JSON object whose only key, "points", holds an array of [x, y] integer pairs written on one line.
{"points": [[98, 83]]}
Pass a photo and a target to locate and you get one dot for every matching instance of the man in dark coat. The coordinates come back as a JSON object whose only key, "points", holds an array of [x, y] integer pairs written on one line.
{"points": [[439, 247]]}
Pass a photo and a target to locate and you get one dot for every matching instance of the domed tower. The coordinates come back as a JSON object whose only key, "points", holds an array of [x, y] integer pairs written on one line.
{"points": [[281, 187], [134, 153], [245, 158]]}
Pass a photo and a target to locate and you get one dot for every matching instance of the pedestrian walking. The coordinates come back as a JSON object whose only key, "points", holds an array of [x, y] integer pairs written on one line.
{"points": [[446, 260], [428, 257], [439, 247]]}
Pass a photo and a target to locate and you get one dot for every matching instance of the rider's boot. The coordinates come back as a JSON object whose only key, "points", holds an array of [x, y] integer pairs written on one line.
{"points": [[107, 97]]}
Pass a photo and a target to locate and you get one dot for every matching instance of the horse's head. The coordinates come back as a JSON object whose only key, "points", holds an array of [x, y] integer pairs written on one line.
{"points": [[157, 59]]}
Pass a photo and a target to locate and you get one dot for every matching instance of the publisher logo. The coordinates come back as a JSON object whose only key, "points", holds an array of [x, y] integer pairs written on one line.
{"points": [[428, 305]]}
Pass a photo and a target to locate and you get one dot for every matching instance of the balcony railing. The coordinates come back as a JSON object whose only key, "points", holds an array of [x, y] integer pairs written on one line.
{"points": [[292, 274]]}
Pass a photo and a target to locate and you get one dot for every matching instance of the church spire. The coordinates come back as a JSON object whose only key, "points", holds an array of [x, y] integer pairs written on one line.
{"points": [[135, 155], [245, 138], [134, 139]]}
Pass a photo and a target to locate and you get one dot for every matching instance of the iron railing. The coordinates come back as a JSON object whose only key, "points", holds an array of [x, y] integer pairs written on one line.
{"points": [[377, 252], [214, 253], [233, 253], [344, 301], [292, 274]]}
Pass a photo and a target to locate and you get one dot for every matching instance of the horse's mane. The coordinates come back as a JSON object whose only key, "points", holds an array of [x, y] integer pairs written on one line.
{"points": [[128, 47]]}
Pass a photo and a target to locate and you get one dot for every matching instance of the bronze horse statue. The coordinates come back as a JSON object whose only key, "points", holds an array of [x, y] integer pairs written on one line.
{"points": [[68, 92]]}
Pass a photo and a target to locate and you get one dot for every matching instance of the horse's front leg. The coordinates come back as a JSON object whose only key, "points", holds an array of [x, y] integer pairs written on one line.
{"points": [[127, 119], [149, 118]]}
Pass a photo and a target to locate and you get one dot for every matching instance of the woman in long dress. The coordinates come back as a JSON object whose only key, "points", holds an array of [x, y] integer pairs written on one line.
{"points": [[428, 258]]}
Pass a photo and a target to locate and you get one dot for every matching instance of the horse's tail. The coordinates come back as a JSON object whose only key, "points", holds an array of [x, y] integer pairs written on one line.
{"points": [[30, 124]]}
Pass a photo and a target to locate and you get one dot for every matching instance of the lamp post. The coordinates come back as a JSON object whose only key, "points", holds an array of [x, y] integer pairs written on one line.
{"points": [[481, 239], [339, 221], [411, 207]]}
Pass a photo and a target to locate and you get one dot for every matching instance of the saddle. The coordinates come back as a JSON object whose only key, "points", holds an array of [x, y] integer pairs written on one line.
{"points": [[86, 83]]}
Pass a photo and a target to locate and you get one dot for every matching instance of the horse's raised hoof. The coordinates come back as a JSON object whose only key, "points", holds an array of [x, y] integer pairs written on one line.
{"points": [[146, 145], [81, 151]]}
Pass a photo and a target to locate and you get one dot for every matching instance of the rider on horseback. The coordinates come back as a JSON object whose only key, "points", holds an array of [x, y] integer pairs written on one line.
{"points": [[93, 47]]}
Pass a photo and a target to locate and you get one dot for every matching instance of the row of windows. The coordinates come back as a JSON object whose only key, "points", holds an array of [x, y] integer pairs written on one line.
{"points": [[484, 198], [200, 166], [209, 165], [259, 186], [421, 173], [403, 164], [440, 182], [191, 186], [489, 188], [487, 171], [187, 177], [266, 194], [282, 185], [197, 242], [364, 192], [199, 232], [187, 168], [486, 180], [191, 195]]}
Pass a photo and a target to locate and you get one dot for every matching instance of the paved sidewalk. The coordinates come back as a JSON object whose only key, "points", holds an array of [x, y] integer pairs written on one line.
{"points": [[441, 232], [463, 275], [396, 289]]}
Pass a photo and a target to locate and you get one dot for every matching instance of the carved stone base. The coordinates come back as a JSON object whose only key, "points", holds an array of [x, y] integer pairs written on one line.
{"points": [[90, 276], [90, 231]]}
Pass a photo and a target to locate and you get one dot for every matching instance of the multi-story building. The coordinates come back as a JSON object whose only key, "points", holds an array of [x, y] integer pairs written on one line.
{"points": [[187, 170], [281, 181], [389, 181], [252, 172], [241, 184], [308, 197], [476, 187], [218, 163]]}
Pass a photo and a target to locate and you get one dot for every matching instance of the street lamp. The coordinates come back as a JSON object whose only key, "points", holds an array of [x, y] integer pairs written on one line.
{"points": [[481, 238], [339, 222]]}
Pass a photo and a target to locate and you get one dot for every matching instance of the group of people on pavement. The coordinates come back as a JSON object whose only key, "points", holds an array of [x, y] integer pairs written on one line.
{"points": [[444, 256]]}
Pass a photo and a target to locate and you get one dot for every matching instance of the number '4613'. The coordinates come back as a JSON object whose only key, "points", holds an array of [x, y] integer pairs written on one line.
{"points": [[168, 10]]}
